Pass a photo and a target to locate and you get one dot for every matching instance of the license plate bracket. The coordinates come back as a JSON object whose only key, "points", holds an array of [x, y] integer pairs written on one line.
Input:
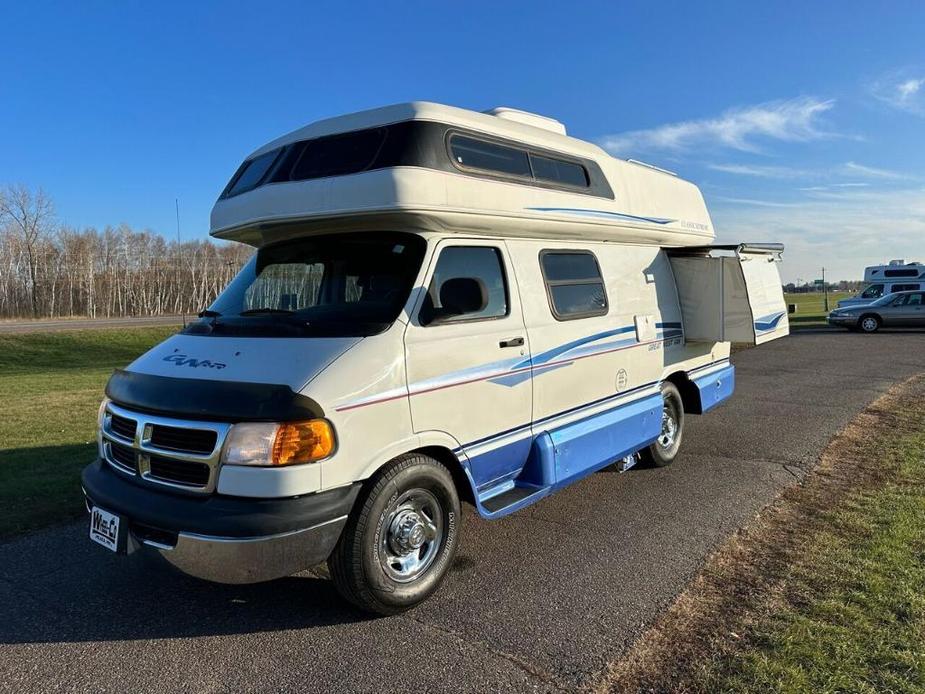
{"points": [[109, 530]]}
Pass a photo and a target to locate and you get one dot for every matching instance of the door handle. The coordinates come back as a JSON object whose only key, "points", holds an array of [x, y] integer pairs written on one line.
{"points": [[512, 342]]}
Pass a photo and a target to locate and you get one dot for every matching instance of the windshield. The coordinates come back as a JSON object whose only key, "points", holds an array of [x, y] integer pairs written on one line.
{"points": [[339, 285], [884, 300]]}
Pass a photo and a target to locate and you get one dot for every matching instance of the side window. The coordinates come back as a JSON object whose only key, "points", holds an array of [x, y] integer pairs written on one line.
{"points": [[489, 156], [574, 284], [558, 171], [874, 291], [915, 300], [904, 287], [468, 284]]}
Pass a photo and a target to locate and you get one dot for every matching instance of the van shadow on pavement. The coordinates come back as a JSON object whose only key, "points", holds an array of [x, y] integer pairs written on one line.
{"points": [[65, 589]]}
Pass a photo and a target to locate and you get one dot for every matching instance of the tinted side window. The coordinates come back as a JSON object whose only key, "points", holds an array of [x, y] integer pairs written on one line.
{"points": [[252, 173], [558, 171], [904, 287], [574, 284], [874, 291], [479, 262], [338, 155], [479, 154]]}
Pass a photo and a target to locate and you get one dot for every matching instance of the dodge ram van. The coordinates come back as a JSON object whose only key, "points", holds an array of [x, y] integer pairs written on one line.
{"points": [[443, 307]]}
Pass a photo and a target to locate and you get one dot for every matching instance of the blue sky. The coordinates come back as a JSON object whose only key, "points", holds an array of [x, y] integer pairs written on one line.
{"points": [[802, 122]]}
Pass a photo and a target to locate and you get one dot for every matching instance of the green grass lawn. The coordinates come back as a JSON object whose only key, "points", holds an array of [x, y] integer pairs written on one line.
{"points": [[52, 385], [811, 308], [852, 615]]}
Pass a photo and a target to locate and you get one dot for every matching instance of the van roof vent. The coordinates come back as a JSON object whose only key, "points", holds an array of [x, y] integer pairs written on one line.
{"points": [[527, 118]]}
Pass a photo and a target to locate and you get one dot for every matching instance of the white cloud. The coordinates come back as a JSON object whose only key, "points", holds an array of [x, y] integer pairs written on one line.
{"points": [[758, 171], [845, 229], [852, 168], [901, 90], [791, 120]]}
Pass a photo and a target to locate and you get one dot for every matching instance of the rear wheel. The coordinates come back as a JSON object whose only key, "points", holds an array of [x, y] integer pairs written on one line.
{"points": [[401, 538], [665, 448], [869, 323]]}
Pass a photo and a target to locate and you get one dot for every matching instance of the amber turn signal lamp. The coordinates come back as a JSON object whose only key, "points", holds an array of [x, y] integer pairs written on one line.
{"points": [[303, 442]]}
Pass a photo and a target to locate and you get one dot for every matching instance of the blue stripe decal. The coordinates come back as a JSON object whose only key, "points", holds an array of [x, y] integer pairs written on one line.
{"points": [[571, 410], [603, 213], [769, 322]]}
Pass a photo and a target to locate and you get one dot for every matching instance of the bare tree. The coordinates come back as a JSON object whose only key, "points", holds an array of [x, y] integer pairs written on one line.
{"points": [[30, 216]]}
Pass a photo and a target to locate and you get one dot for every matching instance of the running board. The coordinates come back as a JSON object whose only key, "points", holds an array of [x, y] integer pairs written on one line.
{"points": [[517, 496]]}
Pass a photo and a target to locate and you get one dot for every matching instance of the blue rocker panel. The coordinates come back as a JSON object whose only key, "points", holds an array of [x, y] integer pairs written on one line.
{"points": [[565, 454]]}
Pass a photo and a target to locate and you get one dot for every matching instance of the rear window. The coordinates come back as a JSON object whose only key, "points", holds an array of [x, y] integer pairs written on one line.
{"points": [[252, 173], [574, 284], [489, 156], [558, 171], [338, 155]]}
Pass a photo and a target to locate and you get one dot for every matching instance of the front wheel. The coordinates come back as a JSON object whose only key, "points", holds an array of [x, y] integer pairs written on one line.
{"points": [[869, 324], [401, 538], [665, 448]]}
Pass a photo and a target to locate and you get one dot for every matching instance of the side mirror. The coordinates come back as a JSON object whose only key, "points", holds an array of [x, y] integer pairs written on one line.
{"points": [[460, 296]]}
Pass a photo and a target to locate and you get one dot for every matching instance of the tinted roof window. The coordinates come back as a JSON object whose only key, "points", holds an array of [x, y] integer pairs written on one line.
{"points": [[479, 154], [338, 155], [559, 171], [252, 172], [909, 272]]}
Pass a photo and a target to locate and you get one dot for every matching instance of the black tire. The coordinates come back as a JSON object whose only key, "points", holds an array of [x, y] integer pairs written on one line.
{"points": [[665, 449], [869, 323], [410, 487]]}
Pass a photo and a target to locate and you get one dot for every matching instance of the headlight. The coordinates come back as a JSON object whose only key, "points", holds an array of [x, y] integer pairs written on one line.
{"points": [[272, 444], [101, 413]]}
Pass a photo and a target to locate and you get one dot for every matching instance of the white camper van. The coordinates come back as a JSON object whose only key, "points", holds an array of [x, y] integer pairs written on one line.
{"points": [[880, 280], [444, 306]]}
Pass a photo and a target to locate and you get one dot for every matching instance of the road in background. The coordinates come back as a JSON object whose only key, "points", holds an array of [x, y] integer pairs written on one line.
{"points": [[39, 326], [541, 600]]}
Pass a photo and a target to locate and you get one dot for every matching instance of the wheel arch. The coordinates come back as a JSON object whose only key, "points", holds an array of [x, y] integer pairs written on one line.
{"points": [[440, 447], [690, 393]]}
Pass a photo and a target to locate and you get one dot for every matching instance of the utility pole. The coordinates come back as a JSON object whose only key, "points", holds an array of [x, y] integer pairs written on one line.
{"points": [[176, 202], [825, 291]]}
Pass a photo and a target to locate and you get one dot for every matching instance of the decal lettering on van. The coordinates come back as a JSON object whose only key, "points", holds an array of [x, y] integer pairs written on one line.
{"points": [[183, 360]]}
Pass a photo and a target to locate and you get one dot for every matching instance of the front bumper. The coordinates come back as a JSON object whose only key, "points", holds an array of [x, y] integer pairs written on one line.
{"points": [[842, 321], [220, 538]]}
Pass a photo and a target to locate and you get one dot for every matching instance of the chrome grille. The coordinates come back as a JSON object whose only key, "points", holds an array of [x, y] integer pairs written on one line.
{"points": [[186, 440], [122, 456], [164, 451], [178, 471], [124, 427]]}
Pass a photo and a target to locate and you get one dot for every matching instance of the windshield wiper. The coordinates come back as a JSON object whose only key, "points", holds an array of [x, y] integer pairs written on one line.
{"points": [[270, 311], [209, 313]]}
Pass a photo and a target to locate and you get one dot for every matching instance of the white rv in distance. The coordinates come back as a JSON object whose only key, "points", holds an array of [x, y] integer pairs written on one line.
{"points": [[880, 280], [444, 306]]}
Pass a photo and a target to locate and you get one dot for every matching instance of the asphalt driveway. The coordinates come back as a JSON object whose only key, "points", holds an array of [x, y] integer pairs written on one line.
{"points": [[541, 600]]}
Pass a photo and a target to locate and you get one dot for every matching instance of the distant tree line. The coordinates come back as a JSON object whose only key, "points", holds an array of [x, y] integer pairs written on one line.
{"points": [[52, 270]]}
